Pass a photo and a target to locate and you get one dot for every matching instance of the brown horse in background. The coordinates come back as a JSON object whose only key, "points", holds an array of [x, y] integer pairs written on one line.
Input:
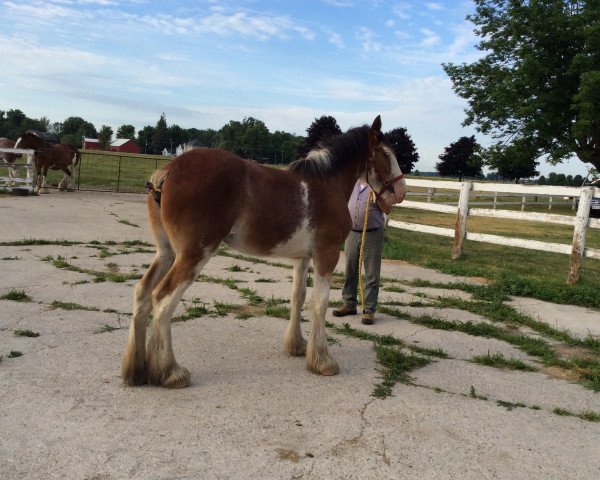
{"points": [[208, 196], [63, 157], [9, 158]]}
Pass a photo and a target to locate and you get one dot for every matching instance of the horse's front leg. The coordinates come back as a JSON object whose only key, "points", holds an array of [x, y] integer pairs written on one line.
{"points": [[318, 358], [43, 188], [293, 342]]}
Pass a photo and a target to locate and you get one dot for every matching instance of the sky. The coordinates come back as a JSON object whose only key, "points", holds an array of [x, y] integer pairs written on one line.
{"points": [[203, 63]]}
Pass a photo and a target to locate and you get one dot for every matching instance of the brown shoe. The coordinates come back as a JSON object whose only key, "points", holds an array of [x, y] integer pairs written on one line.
{"points": [[368, 318], [343, 311]]}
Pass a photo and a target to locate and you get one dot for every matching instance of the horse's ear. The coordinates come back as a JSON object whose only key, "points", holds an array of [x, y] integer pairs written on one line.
{"points": [[374, 132], [376, 124]]}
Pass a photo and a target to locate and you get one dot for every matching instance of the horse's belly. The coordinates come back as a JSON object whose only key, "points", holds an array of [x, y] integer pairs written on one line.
{"points": [[299, 244]]}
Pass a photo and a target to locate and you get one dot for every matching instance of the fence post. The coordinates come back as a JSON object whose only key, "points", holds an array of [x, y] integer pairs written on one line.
{"points": [[581, 221], [495, 200], [79, 172], [430, 193], [523, 202], [119, 174], [460, 230], [549, 203], [29, 169]]}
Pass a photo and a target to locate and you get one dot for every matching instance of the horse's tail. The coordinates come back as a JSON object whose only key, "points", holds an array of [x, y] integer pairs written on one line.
{"points": [[156, 182]]}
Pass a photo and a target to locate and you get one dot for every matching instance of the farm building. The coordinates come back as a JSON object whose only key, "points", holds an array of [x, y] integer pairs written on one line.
{"points": [[118, 145], [124, 145], [91, 144], [186, 147]]}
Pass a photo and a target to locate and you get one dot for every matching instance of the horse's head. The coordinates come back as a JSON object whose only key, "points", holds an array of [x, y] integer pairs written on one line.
{"points": [[30, 139], [383, 172]]}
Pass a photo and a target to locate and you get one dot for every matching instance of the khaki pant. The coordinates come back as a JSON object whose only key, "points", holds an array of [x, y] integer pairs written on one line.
{"points": [[371, 268]]}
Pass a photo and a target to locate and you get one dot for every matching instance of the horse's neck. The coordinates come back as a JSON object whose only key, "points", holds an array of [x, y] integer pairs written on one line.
{"points": [[347, 175]]}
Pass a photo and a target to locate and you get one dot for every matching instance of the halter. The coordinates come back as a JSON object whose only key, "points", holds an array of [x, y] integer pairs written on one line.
{"points": [[386, 183]]}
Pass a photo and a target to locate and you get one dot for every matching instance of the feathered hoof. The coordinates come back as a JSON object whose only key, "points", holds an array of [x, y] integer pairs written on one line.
{"points": [[178, 378], [326, 366], [295, 348], [134, 377]]}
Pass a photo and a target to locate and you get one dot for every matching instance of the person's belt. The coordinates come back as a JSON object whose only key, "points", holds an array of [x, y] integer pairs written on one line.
{"points": [[368, 229]]}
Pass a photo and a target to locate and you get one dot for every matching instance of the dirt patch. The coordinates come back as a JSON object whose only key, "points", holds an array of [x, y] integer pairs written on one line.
{"points": [[560, 373]]}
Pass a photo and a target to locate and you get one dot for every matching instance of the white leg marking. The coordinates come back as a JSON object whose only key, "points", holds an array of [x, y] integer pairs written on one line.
{"points": [[317, 356], [294, 342]]}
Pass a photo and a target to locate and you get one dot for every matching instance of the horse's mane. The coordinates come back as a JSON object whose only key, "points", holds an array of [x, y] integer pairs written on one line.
{"points": [[45, 137], [332, 153]]}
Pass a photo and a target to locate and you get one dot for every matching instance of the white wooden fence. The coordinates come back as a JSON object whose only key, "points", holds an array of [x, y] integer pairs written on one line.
{"points": [[580, 222], [18, 183]]}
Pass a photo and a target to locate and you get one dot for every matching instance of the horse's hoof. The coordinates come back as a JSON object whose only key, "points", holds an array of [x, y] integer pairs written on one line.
{"points": [[179, 378], [134, 377], [327, 367], [296, 349]]}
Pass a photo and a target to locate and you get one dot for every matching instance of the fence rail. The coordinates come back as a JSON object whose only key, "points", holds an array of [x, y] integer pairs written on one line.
{"points": [[18, 183], [580, 222]]}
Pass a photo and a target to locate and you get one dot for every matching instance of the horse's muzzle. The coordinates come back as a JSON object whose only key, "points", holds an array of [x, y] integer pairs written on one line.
{"points": [[389, 198]]}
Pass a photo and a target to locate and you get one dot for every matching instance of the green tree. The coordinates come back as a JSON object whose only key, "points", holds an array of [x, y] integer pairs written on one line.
{"points": [[126, 131], [255, 139], [229, 137], [14, 122], [320, 129], [460, 159], [160, 137], [404, 149], [284, 146], [177, 136], [538, 85], [105, 137], [144, 138], [74, 129], [514, 162]]}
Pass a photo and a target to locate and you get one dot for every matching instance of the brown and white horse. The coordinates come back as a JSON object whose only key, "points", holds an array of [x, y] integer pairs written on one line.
{"points": [[63, 157], [9, 158], [209, 196]]}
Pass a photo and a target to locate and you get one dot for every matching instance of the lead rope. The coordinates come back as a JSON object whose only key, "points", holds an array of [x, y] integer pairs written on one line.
{"points": [[361, 286]]}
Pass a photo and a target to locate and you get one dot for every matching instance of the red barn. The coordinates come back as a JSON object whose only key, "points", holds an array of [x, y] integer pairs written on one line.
{"points": [[124, 145], [91, 144]]}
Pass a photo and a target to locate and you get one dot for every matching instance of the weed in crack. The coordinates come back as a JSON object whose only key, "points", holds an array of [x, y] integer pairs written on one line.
{"points": [[16, 296], [26, 333]]}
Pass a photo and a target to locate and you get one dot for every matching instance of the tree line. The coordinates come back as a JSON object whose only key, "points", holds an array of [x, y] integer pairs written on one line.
{"points": [[249, 138]]}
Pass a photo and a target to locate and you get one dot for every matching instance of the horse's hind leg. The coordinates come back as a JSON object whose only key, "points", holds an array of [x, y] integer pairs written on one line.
{"points": [[163, 369], [64, 183], [133, 367], [293, 342]]}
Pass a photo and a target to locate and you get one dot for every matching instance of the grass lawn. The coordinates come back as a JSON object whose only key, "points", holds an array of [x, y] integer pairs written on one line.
{"points": [[518, 271]]}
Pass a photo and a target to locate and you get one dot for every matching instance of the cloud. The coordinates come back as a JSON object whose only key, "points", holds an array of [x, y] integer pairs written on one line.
{"points": [[434, 6], [431, 38], [401, 10], [336, 39], [368, 40]]}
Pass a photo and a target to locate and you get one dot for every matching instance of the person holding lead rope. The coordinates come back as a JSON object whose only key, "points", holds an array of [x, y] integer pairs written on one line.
{"points": [[367, 231]]}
